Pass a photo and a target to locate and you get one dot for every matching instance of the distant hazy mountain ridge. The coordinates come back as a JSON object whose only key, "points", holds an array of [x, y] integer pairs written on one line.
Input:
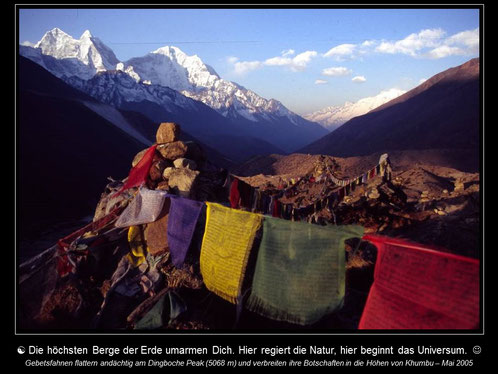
{"points": [[334, 116], [441, 113]]}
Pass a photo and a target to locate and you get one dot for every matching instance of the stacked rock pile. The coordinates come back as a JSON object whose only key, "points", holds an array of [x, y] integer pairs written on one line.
{"points": [[175, 165], [178, 167]]}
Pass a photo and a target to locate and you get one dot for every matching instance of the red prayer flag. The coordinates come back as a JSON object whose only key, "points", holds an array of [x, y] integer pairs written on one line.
{"points": [[276, 209], [418, 287], [138, 174], [245, 192], [64, 266], [370, 174], [234, 194]]}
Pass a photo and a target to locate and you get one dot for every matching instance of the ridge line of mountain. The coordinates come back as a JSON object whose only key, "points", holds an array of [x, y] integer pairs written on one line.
{"points": [[83, 59]]}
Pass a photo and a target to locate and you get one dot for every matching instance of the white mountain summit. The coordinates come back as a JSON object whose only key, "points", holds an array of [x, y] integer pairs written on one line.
{"points": [[334, 116], [84, 57], [171, 67], [166, 66], [89, 65]]}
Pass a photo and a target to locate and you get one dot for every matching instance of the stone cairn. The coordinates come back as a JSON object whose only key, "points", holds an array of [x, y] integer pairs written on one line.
{"points": [[179, 167], [175, 164]]}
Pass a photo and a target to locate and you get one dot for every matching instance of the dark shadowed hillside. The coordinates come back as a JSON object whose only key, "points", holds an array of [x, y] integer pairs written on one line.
{"points": [[441, 113], [65, 154], [66, 151]]}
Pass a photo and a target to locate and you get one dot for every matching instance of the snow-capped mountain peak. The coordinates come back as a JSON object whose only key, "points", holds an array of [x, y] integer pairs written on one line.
{"points": [[86, 35], [334, 116], [86, 55], [170, 66], [171, 52], [56, 43], [165, 68]]}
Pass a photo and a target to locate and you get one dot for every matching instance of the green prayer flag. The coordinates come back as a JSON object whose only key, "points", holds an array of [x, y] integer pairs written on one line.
{"points": [[300, 270], [154, 318]]}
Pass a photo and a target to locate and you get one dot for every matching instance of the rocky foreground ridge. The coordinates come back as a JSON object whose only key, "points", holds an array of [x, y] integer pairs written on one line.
{"points": [[428, 204]]}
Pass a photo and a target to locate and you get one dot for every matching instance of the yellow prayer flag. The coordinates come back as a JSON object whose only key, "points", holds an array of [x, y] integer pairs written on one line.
{"points": [[138, 252], [226, 245]]}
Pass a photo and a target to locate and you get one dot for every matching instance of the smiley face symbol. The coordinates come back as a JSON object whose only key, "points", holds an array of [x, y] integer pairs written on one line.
{"points": [[21, 350]]}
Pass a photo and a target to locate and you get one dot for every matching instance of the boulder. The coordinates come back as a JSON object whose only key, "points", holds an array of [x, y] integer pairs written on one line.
{"points": [[172, 151], [138, 157], [157, 157], [167, 172], [167, 132], [182, 180], [185, 163], [157, 169], [155, 173]]}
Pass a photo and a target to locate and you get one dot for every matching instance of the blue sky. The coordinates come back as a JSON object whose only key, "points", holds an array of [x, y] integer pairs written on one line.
{"points": [[306, 58]]}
